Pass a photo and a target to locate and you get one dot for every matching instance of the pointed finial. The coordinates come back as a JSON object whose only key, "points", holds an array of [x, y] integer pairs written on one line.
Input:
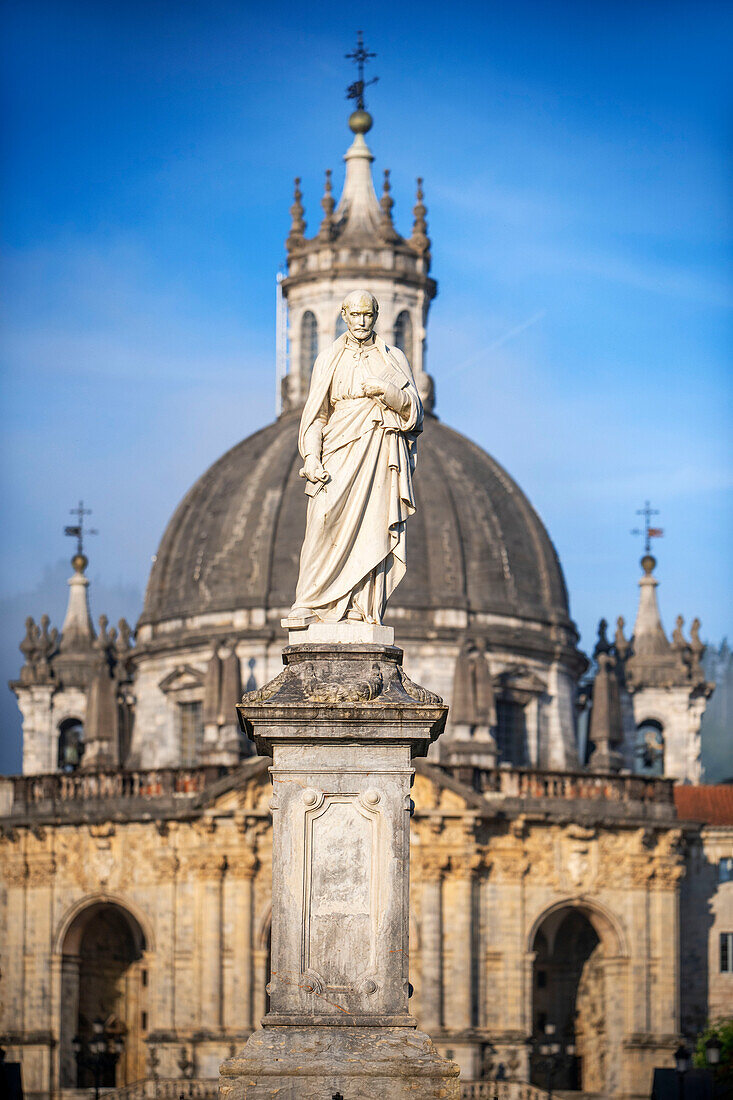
{"points": [[296, 237], [386, 203], [620, 642], [328, 203], [602, 644], [419, 239]]}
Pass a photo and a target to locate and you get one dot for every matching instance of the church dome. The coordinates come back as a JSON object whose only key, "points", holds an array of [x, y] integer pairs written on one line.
{"points": [[478, 553]]}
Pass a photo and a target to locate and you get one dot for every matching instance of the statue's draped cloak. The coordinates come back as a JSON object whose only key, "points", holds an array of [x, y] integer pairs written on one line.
{"points": [[353, 553]]}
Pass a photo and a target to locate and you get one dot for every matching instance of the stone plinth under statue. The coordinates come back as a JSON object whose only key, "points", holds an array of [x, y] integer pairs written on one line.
{"points": [[343, 723]]}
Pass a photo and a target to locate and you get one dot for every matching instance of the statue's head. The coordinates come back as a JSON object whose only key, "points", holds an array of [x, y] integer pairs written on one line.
{"points": [[359, 310]]}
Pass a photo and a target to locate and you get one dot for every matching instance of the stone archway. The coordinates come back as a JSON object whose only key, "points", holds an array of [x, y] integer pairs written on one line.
{"points": [[574, 947], [103, 974]]}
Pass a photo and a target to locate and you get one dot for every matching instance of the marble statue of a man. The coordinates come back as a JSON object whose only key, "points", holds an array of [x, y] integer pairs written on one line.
{"points": [[358, 436]]}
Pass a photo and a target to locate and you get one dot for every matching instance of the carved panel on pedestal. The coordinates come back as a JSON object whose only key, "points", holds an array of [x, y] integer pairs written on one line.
{"points": [[341, 876]]}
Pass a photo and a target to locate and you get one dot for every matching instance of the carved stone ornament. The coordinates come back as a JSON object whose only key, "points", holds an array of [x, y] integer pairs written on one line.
{"points": [[317, 681]]}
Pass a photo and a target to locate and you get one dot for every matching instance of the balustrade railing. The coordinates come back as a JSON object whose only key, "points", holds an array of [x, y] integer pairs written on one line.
{"points": [[156, 1088], [52, 791], [172, 1088], [569, 786], [500, 1090]]}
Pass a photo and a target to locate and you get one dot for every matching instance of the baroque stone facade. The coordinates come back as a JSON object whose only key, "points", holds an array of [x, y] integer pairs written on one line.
{"points": [[536, 897]]}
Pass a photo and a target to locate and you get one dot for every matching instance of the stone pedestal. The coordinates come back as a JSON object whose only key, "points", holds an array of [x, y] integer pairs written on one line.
{"points": [[342, 723]]}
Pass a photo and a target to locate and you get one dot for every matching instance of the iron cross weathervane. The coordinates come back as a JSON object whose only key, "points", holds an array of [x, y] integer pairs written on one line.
{"points": [[647, 531], [359, 56], [77, 530]]}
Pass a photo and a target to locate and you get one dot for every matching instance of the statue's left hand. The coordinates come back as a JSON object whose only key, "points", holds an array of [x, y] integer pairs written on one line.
{"points": [[392, 396], [373, 386]]}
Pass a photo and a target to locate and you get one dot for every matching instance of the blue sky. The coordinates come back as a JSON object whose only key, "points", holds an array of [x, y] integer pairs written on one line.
{"points": [[577, 167]]}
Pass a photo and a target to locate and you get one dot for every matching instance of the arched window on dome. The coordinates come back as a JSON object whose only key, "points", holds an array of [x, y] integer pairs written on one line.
{"points": [[649, 748], [340, 326], [308, 342], [70, 744], [403, 334]]}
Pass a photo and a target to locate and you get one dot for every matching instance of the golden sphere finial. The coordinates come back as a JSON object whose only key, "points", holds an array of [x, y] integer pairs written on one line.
{"points": [[79, 562], [360, 121], [647, 563]]}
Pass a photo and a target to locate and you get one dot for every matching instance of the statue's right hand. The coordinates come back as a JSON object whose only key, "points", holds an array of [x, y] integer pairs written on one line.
{"points": [[313, 470]]}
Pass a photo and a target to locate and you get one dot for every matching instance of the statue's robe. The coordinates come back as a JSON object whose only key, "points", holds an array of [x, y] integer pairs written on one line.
{"points": [[353, 554]]}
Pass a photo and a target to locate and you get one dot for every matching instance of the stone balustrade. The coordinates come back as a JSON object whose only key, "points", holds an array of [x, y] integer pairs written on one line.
{"points": [[50, 793], [171, 1088], [500, 1090], [530, 783]]}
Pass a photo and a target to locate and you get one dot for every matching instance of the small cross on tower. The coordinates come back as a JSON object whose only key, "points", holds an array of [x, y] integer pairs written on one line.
{"points": [[359, 56], [76, 531], [648, 531]]}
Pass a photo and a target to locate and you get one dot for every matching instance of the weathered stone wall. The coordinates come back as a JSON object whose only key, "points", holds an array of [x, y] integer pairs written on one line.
{"points": [[706, 911], [196, 887]]}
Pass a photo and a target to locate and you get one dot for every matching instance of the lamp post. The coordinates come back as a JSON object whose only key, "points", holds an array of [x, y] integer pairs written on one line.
{"points": [[682, 1063], [713, 1047], [99, 1053], [552, 1054]]}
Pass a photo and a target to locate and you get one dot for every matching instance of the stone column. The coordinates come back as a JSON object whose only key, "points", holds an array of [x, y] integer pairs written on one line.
{"points": [[210, 886], [459, 984], [238, 908], [431, 927], [67, 967], [342, 722]]}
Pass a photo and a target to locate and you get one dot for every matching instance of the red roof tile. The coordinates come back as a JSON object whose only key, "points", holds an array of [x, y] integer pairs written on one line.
{"points": [[711, 804]]}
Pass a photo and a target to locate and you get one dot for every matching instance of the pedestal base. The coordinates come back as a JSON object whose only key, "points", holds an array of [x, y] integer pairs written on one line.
{"points": [[318, 1063], [343, 633]]}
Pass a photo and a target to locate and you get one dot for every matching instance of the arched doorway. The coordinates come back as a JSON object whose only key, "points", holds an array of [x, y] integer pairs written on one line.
{"points": [[569, 993], [104, 976]]}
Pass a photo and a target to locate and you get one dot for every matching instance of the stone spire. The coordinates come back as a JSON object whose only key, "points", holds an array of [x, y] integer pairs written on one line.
{"points": [[471, 741], [222, 692], [358, 214], [606, 730], [77, 633], [649, 638], [386, 202], [328, 203], [419, 239], [296, 237], [101, 741], [357, 245], [661, 687]]}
